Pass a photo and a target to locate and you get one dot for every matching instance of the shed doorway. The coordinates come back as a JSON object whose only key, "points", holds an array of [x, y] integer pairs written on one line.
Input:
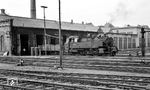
{"points": [[24, 38]]}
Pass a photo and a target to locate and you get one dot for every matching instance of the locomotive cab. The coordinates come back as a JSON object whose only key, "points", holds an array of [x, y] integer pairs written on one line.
{"points": [[72, 39]]}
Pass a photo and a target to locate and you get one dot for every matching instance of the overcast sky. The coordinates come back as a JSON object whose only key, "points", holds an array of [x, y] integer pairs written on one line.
{"points": [[117, 12]]}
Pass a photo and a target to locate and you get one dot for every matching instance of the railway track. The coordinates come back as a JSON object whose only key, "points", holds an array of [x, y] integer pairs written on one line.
{"points": [[136, 67], [76, 81], [36, 80], [113, 64], [25, 83]]}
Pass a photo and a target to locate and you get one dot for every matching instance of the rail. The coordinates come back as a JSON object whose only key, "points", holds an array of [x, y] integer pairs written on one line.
{"points": [[80, 82]]}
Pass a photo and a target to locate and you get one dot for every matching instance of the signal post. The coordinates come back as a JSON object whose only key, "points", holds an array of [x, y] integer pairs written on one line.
{"points": [[143, 42]]}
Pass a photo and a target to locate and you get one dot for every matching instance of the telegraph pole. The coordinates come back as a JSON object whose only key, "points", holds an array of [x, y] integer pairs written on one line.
{"points": [[60, 42]]}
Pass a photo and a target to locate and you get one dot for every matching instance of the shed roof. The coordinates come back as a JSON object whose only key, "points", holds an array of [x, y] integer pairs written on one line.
{"points": [[50, 24]]}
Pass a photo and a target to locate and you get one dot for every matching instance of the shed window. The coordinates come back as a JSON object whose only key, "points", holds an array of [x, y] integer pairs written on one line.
{"points": [[116, 41], [120, 43], [125, 42], [129, 43], [1, 43]]}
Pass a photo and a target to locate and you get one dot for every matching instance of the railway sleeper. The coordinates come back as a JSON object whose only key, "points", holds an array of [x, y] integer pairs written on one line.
{"points": [[57, 84], [9, 87], [82, 82], [29, 86]]}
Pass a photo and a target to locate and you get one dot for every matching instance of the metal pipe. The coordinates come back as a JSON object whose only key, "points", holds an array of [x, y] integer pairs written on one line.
{"points": [[44, 29]]}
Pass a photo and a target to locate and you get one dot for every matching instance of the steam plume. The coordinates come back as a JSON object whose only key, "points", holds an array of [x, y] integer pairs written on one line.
{"points": [[121, 13]]}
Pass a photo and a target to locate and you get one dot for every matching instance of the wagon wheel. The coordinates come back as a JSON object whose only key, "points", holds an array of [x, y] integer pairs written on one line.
{"points": [[113, 53], [91, 52]]}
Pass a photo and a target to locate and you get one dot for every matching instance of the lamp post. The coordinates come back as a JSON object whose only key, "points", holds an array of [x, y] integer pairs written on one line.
{"points": [[60, 42], [44, 28]]}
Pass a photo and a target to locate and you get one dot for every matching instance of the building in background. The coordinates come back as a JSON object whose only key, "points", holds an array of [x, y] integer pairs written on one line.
{"points": [[19, 34], [106, 28], [128, 37]]}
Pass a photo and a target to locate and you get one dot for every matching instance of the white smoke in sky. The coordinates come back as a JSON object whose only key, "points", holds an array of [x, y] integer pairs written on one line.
{"points": [[122, 12]]}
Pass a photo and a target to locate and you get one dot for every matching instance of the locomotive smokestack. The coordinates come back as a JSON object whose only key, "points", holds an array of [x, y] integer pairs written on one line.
{"points": [[33, 8]]}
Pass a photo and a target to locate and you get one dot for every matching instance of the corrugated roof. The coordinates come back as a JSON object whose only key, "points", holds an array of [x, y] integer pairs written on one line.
{"points": [[38, 23], [130, 27]]}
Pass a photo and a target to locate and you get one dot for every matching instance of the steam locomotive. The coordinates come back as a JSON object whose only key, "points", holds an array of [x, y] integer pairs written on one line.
{"points": [[95, 45], [99, 45]]}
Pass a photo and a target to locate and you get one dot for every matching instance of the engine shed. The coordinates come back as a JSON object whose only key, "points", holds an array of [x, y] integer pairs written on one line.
{"points": [[19, 34]]}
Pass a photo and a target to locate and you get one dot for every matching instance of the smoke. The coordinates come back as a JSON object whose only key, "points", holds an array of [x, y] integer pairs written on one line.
{"points": [[120, 13]]}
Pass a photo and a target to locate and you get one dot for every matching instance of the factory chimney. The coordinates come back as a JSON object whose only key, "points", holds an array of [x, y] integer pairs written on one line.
{"points": [[3, 12], [33, 9]]}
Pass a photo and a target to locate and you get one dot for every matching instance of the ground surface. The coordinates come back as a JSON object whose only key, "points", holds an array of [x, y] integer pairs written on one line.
{"points": [[122, 73], [68, 70]]}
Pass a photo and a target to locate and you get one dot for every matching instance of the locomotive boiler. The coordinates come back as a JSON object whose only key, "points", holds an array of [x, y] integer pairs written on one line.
{"points": [[99, 45]]}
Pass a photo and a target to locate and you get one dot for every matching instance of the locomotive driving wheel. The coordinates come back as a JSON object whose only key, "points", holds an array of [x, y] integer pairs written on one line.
{"points": [[113, 53]]}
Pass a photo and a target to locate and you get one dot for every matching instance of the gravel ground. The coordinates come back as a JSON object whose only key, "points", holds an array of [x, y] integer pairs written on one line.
{"points": [[68, 70]]}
